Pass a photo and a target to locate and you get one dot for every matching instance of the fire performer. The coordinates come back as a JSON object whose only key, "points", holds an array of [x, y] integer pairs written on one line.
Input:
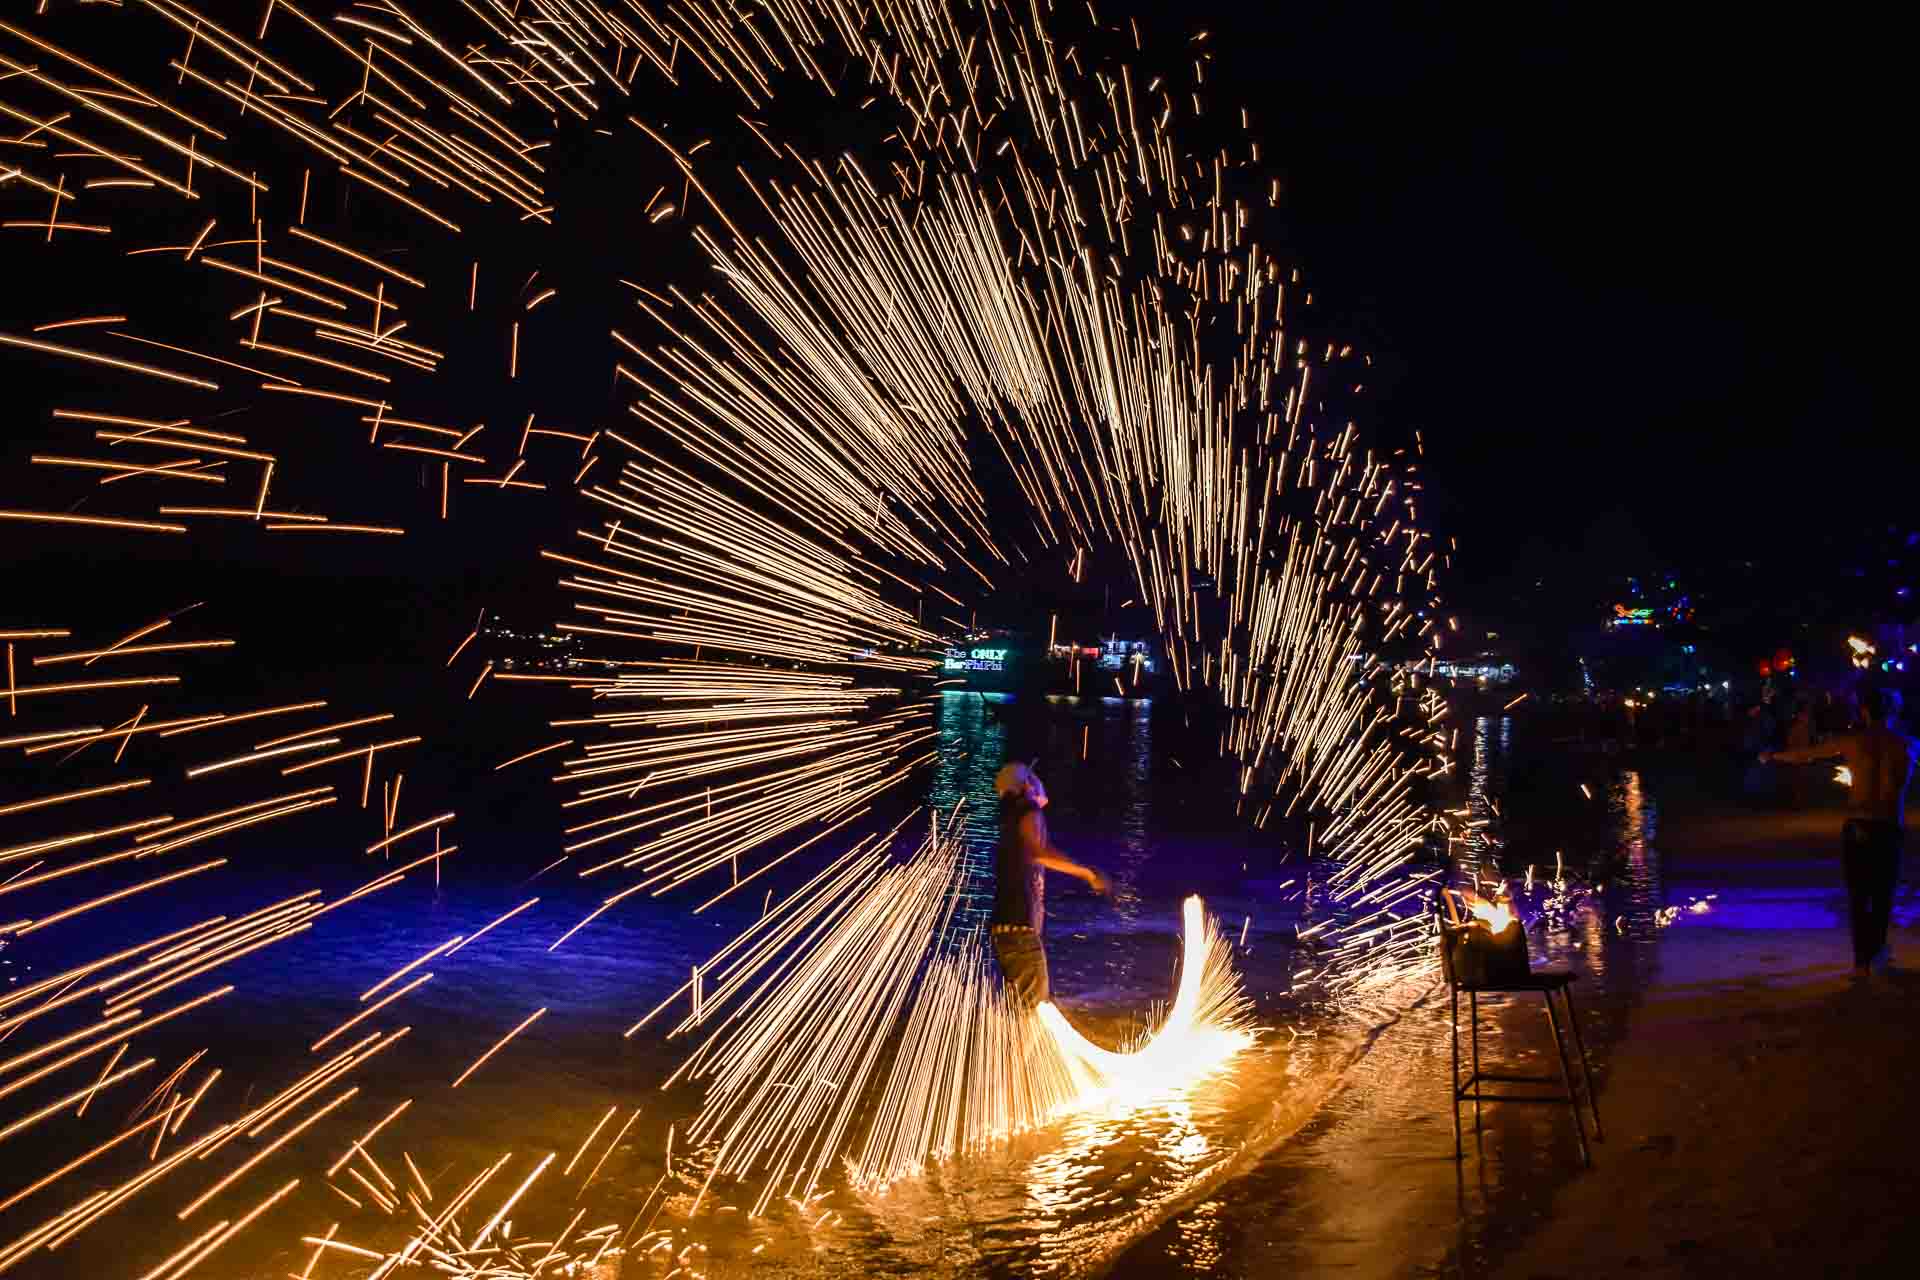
{"points": [[1019, 897], [1879, 760]]}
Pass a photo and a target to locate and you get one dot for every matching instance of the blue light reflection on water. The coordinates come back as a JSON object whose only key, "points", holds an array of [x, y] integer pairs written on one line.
{"points": [[971, 749], [1369, 1186], [1108, 809], [1064, 1196]]}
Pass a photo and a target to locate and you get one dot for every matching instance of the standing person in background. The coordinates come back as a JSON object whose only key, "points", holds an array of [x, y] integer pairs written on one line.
{"points": [[1879, 758], [1800, 728], [1832, 717], [1799, 736], [1025, 855]]}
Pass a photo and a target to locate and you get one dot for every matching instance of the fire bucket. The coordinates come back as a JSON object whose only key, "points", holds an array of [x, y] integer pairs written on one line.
{"points": [[1477, 953]]}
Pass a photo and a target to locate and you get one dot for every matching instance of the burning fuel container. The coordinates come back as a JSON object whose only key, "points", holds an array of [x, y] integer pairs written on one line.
{"points": [[1473, 955]]}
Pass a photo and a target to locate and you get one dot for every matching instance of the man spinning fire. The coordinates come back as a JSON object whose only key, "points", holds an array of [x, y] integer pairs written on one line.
{"points": [[1019, 897]]}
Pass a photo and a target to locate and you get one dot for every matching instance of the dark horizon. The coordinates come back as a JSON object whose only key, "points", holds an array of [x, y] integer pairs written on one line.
{"points": [[1618, 270], [1617, 275]]}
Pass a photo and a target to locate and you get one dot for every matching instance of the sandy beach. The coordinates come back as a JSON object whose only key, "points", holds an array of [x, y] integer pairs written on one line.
{"points": [[1753, 1122], [1759, 1119]]}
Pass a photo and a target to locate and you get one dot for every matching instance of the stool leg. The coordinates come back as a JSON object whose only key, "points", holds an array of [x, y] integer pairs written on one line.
{"points": [[1566, 1077], [1473, 1018], [1586, 1068], [1453, 1080]]}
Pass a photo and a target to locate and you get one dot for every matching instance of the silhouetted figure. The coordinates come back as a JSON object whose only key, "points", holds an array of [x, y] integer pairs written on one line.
{"points": [[1019, 890], [1799, 736], [1879, 759], [1800, 728]]}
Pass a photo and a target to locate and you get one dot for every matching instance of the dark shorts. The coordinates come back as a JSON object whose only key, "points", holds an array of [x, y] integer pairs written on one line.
{"points": [[1023, 963], [1870, 857]]}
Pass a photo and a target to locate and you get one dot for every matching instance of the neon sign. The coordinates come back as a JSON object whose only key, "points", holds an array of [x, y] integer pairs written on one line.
{"points": [[1625, 617], [976, 660]]}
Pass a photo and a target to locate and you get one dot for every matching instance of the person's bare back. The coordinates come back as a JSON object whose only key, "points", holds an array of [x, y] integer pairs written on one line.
{"points": [[1880, 760]]}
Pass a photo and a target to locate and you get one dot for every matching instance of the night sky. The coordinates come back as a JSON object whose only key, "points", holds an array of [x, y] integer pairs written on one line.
{"points": [[1623, 265], [1623, 269]]}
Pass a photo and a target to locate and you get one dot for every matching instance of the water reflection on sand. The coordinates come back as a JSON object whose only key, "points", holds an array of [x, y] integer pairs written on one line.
{"points": [[1368, 1186], [1067, 1199]]}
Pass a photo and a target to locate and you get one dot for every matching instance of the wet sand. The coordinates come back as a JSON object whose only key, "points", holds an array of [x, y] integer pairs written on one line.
{"points": [[1761, 1112], [1761, 1120], [1752, 1097], [1758, 1106], [1060, 1200]]}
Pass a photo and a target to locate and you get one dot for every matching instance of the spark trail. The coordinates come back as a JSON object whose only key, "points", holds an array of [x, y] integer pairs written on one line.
{"points": [[1042, 259]]}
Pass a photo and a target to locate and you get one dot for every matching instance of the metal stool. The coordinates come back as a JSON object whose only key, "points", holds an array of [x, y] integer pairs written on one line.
{"points": [[1547, 984]]}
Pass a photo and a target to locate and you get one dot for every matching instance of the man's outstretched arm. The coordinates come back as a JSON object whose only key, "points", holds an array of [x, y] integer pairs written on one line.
{"points": [[1836, 750], [1047, 855], [1054, 860]]}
